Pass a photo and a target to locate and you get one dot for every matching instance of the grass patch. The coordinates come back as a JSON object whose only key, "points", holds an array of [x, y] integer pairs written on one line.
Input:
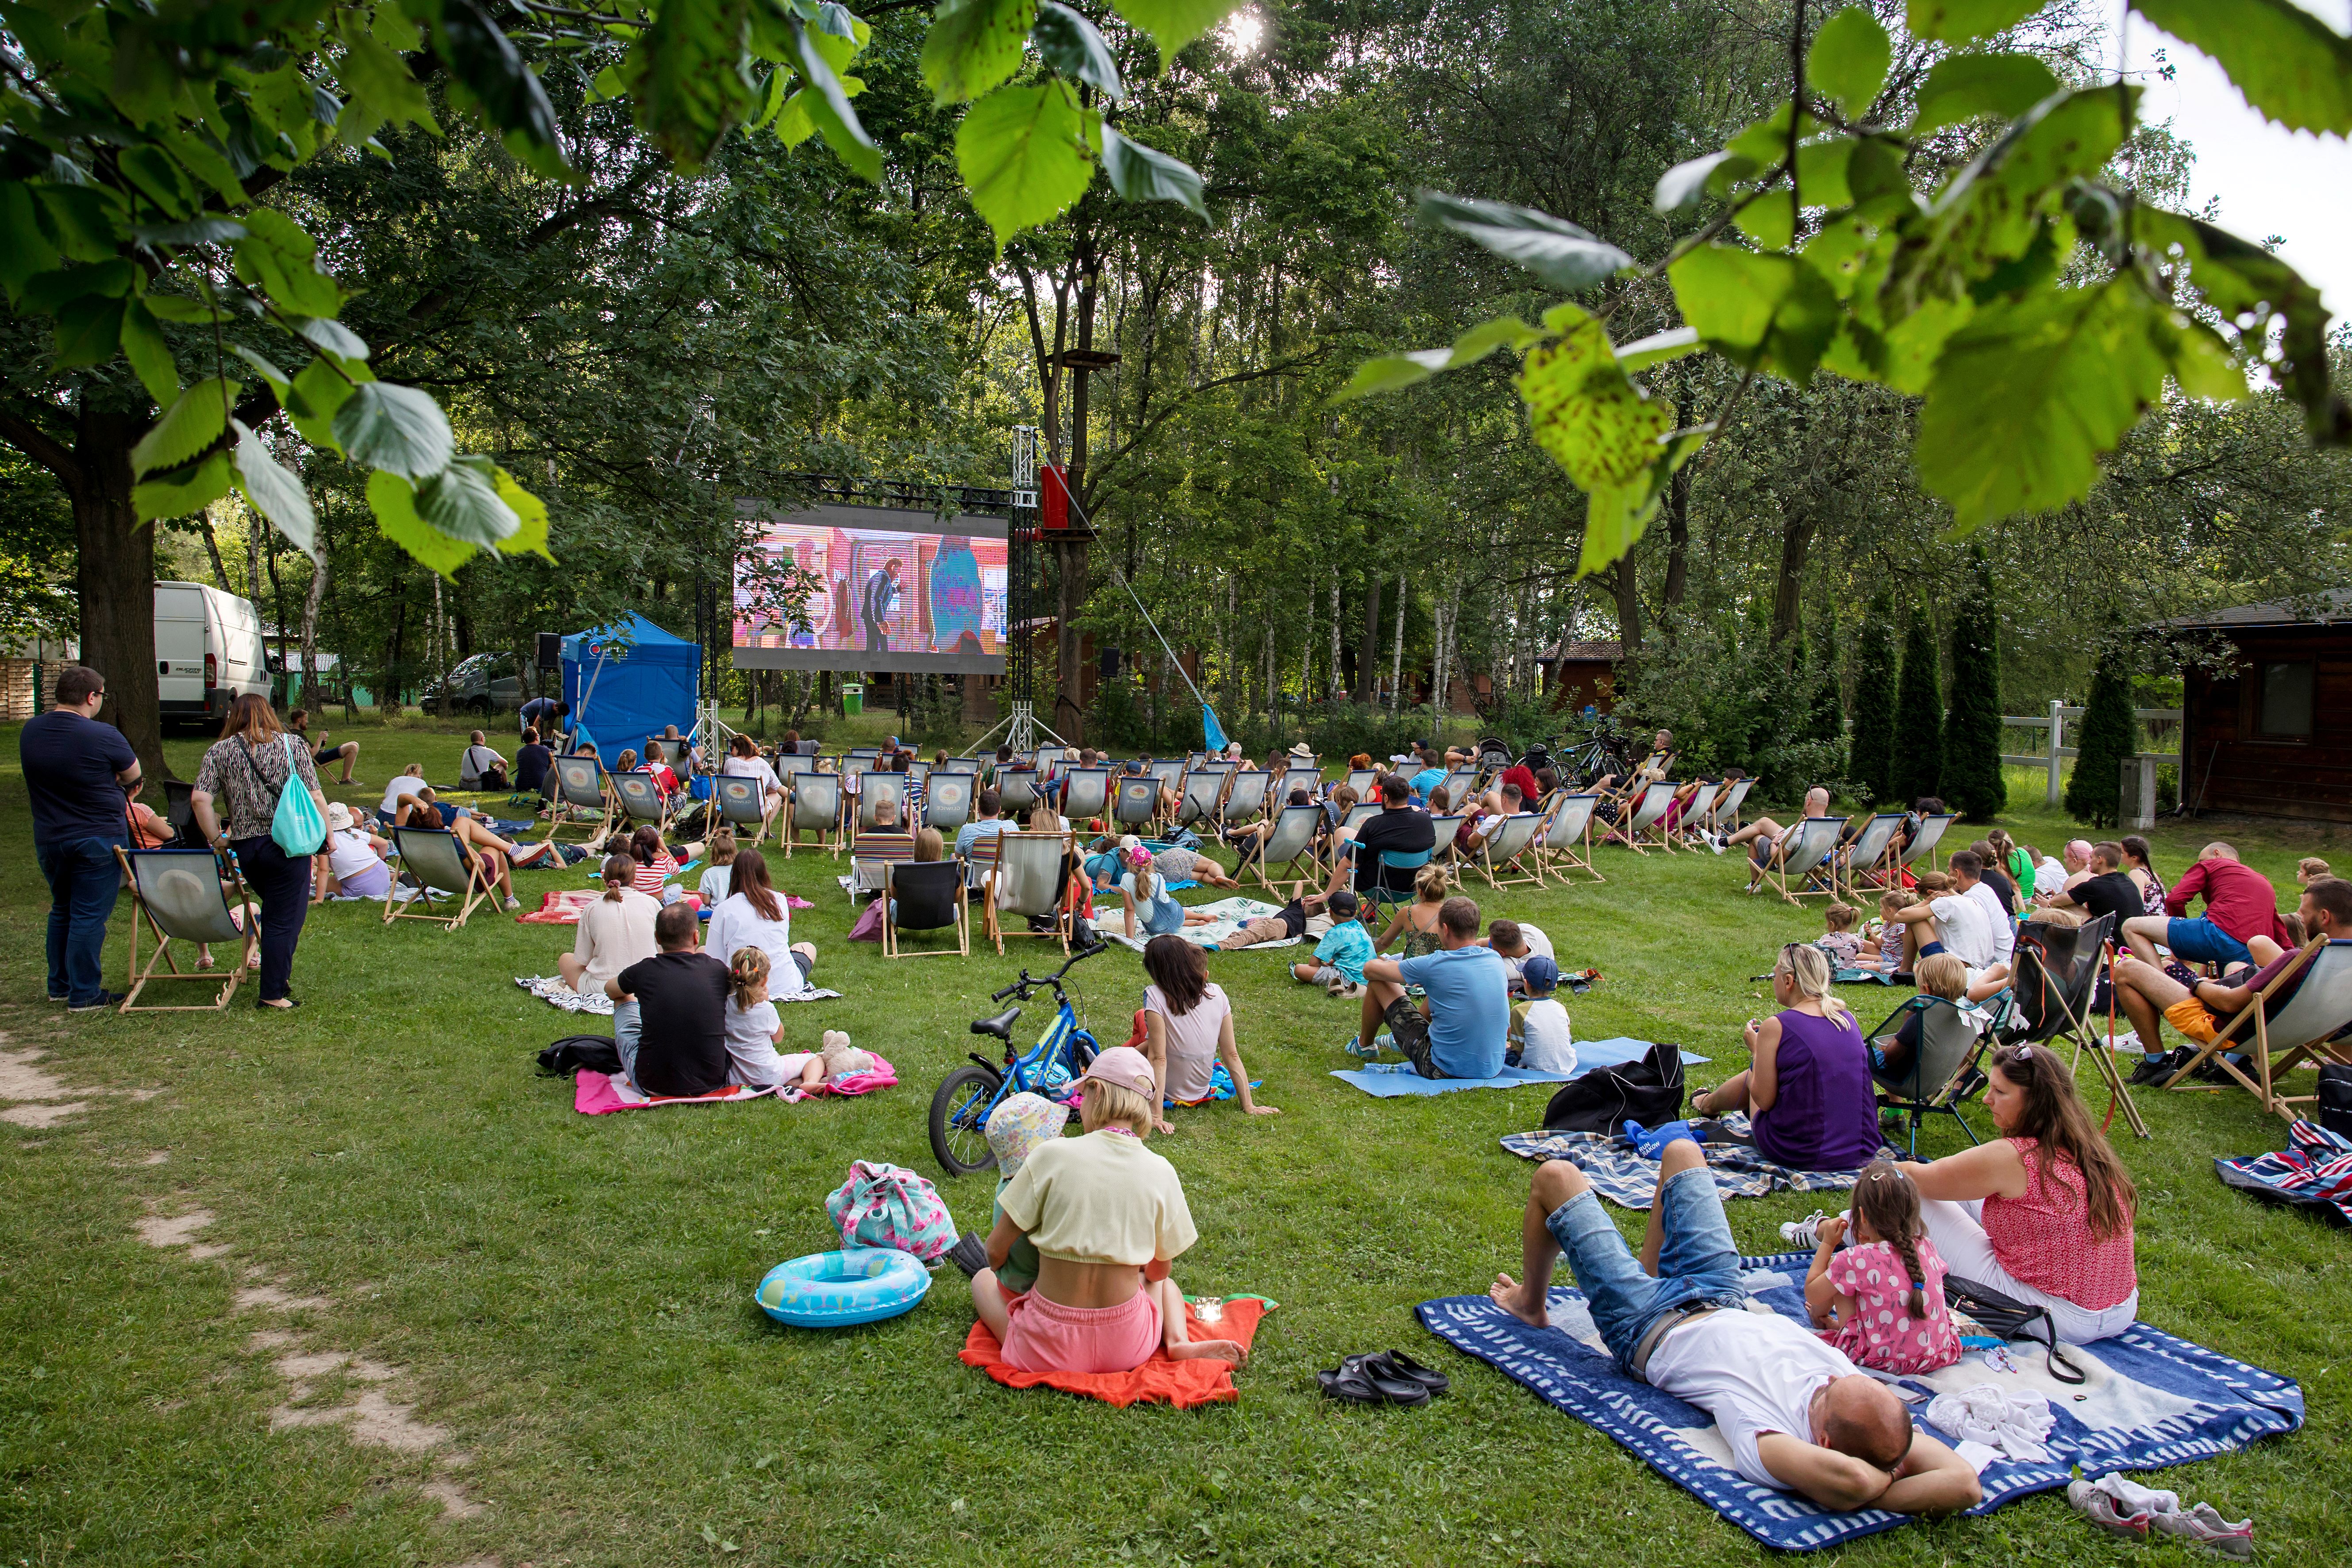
{"points": [[568, 1297]]}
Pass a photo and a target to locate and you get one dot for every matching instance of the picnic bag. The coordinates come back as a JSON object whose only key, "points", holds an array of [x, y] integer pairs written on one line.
{"points": [[2004, 1317], [1649, 1091], [890, 1206], [867, 927], [574, 1053]]}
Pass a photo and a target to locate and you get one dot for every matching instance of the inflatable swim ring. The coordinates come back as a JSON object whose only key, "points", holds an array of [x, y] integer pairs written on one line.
{"points": [[836, 1290]]}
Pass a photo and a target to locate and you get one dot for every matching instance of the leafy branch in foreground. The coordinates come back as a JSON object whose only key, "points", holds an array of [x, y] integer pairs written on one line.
{"points": [[1966, 294]]}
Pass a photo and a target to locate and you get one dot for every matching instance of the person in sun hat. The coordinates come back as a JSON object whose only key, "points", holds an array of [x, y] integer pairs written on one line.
{"points": [[1107, 1216]]}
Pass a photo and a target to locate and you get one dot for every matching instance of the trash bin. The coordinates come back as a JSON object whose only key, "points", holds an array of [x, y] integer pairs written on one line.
{"points": [[852, 697]]}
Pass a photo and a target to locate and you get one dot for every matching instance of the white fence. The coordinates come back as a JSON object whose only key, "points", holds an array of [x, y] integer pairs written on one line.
{"points": [[2163, 725]]}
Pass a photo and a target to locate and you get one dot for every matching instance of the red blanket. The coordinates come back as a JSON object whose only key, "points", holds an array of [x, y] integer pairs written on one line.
{"points": [[1182, 1383]]}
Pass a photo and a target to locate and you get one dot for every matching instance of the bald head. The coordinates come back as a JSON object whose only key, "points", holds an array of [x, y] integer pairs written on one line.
{"points": [[1817, 802], [1860, 1417], [2217, 852], [2077, 855]]}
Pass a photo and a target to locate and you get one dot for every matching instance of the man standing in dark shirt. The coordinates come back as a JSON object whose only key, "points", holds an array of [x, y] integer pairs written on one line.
{"points": [[674, 1039], [1400, 828], [76, 770]]}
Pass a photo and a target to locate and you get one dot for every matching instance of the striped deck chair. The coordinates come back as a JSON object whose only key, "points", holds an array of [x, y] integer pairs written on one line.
{"points": [[1085, 792], [1951, 1038], [1873, 861], [639, 798], [1649, 815], [1246, 802], [1805, 858], [1198, 804], [1930, 834], [815, 807], [437, 859], [178, 894], [1292, 840], [1026, 881], [580, 787], [743, 802], [1567, 824], [1138, 806], [1506, 847], [2295, 1016], [947, 800], [871, 856]]}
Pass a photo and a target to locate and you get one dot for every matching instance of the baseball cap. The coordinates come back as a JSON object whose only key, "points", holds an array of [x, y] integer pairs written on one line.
{"points": [[1541, 974], [1122, 1066]]}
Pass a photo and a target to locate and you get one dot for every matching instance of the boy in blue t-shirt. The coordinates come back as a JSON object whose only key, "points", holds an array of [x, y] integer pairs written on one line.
{"points": [[1340, 956]]}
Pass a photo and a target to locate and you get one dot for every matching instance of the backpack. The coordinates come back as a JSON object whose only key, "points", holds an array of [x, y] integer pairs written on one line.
{"points": [[889, 1206], [596, 1053], [2004, 1317], [1649, 1091], [296, 824]]}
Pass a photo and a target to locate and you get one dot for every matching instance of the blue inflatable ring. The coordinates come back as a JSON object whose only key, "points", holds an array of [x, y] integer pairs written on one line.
{"points": [[836, 1290]]}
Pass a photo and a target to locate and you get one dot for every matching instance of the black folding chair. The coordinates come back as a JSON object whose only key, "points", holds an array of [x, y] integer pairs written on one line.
{"points": [[2051, 975], [1937, 1077]]}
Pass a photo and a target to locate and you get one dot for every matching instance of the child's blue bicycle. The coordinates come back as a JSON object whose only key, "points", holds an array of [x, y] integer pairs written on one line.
{"points": [[963, 1101]]}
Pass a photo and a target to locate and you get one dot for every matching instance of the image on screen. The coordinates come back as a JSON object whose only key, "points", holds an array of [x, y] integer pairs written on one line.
{"points": [[885, 598]]}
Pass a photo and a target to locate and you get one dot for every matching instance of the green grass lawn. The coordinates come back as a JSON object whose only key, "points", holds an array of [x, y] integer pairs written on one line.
{"points": [[554, 1311]]}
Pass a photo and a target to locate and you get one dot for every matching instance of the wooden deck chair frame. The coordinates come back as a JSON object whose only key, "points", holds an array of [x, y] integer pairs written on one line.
{"points": [[1648, 814], [1733, 799], [1292, 840], [2067, 998], [414, 845], [948, 799], [1568, 822], [1510, 843], [143, 871], [1807, 859], [873, 789], [1930, 834], [1950, 1045], [919, 872], [638, 798], [743, 802], [814, 807], [1085, 792], [1000, 874], [1246, 802], [1138, 806], [1166, 775], [575, 779], [2324, 993], [1875, 853]]}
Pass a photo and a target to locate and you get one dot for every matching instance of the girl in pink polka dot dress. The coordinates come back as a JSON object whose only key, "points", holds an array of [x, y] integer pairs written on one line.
{"points": [[1881, 1301]]}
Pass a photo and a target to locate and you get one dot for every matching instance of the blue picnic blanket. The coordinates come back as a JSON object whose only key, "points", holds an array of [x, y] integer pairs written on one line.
{"points": [[2151, 1400], [1620, 1172], [1390, 1081]]}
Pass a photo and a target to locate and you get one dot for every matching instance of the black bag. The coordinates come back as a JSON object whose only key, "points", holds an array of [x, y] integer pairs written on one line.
{"points": [[2336, 1097], [1650, 1091], [598, 1053], [2007, 1318]]}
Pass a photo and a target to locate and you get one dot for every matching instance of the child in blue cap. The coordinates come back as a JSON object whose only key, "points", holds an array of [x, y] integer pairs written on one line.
{"points": [[1539, 1033]]}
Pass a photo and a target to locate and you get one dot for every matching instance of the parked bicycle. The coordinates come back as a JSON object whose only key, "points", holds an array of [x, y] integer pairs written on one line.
{"points": [[965, 1098]]}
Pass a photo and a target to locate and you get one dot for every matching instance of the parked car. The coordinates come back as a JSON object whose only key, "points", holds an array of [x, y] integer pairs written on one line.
{"points": [[208, 652], [480, 683]]}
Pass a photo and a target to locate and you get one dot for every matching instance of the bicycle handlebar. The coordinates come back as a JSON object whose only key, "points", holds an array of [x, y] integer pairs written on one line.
{"points": [[1028, 983]]}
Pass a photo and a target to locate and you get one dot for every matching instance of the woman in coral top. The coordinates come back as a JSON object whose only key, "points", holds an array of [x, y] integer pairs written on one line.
{"points": [[2045, 1212]]}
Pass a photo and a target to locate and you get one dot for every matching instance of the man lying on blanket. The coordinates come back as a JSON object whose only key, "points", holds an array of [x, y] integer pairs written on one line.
{"points": [[1795, 1412]]}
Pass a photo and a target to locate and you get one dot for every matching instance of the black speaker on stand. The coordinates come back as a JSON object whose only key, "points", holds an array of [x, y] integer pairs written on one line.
{"points": [[551, 657]]}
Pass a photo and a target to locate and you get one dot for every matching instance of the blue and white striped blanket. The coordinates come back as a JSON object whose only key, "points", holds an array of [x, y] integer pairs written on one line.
{"points": [[2151, 1400], [1620, 1172]]}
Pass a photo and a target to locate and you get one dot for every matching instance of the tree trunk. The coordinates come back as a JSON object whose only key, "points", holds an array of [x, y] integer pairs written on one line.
{"points": [[309, 698], [1796, 540], [115, 573], [1367, 645], [1629, 603], [1396, 663], [212, 549], [1678, 489]]}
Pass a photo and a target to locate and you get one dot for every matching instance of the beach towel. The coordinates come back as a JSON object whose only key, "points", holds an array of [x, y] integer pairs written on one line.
{"points": [[1228, 915], [552, 990], [596, 1094], [1182, 1383], [2313, 1174], [2151, 1400], [1392, 1080], [1619, 1171]]}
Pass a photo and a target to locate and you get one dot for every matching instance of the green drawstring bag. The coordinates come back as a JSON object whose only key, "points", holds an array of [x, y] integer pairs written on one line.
{"points": [[294, 826]]}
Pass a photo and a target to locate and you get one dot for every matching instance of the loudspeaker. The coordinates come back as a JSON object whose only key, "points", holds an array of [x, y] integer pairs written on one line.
{"points": [[550, 650]]}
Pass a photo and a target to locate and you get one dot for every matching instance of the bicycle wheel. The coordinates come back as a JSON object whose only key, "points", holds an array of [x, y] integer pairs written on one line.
{"points": [[959, 1111]]}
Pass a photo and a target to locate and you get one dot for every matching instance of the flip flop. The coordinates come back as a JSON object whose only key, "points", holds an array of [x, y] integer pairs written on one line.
{"points": [[1372, 1372], [1402, 1367], [970, 1254], [1347, 1384]]}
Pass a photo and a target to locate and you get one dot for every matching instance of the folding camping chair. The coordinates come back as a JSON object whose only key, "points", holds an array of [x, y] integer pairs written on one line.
{"points": [[1027, 882], [947, 800], [1246, 802], [437, 859], [2051, 974], [2315, 1010], [1138, 806], [743, 802], [1874, 854], [1951, 1038], [1385, 886], [926, 895], [640, 799], [1566, 825], [815, 807], [1086, 791], [1199, 802], [178, 893], [1292, 840], [579, 786], [1930, 834], [1730, 800], [1506, 844], [180, 812], [1805, 857], [1649, 814], [1696, 811], [1016, 792]]}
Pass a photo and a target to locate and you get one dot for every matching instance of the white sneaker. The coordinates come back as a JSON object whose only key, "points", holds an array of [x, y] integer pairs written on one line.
{"points": [[2102, 1510], [2204, 1526], [1715, 842], [1805, 1232]]}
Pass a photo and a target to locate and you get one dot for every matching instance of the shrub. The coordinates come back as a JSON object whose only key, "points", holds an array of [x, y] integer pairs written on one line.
{"points": [[1918, 760], [1973, 783], [2094, 794], [1872, 762]]}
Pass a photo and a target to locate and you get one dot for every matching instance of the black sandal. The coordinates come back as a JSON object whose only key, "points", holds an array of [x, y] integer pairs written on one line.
{"points": [[1366, 1380], [970, 1254], [1398, 1365], [1347, 1384]]}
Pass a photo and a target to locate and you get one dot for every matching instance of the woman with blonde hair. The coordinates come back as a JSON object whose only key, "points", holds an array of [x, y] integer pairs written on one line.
{"points": [[249, 768], [1806, 1089], [1416, 922]]}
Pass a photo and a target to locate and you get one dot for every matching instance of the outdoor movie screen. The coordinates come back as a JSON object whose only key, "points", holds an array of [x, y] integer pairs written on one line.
{"points": [[870, 588]]}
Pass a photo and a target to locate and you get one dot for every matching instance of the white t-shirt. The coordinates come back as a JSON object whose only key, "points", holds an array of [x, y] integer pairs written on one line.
{"points": [[1192, 1040], [349, 853], [398, 790], [479, 760], [735, 925], [1533, 939], [751, 1045], [2048, 877], [752, 768], [1546, 1043], [1962, 928], [612, 936], [2004, 929], [1753, 1372], [717, 883]]}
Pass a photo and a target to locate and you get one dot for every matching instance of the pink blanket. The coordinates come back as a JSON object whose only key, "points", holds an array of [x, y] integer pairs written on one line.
{"points": [[596, 1094]]}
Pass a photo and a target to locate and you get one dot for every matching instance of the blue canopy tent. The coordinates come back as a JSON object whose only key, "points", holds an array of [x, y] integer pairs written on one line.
{"points": [[628, 680]]}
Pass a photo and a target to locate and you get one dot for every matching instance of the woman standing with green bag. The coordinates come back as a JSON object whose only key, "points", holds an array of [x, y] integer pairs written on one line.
{"points": [[272, 827]]}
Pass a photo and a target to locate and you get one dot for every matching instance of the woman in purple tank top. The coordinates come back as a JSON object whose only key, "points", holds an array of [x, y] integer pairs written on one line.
{"points": [[1807, 1092]]}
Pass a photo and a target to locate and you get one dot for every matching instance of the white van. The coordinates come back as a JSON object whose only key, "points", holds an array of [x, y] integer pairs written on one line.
{"points": [[208, 652]]}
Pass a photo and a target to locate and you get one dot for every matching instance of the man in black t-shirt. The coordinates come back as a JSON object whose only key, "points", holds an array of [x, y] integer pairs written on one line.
{"points": [[2107, 890], [669, 1012], [1401, 827], [76, 770], [533, 763]]}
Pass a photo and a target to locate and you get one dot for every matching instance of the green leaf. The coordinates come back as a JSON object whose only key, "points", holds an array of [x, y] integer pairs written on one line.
{"points": [[689, 80], [25, 250], [973, 44], [393, 502], [2201, 362], [1822, 165], [195, 419], [530, 535], [1558, 252], [2028, 394], [462, 500], [1774, 313], [1770, 220], [494, 78], [1965, 21], [396, 427], [1393, 372], [275, 492], [1658, 348], [827, 106], [1173, 24], [150, 355], [380, 81], [88, 331], [47, 291], [1849, 59], [1616, 515], [1961, 87], [1682, 185], [1765, 142], [81, 220], [1582, 409], [195, 231], [277, 379], [311, 403], [186, 311], [1141, 174], [183, 490], [1020, 153], [278, 258], [1068, 42], [2291, 66], [330, 336], [1503, 332]]}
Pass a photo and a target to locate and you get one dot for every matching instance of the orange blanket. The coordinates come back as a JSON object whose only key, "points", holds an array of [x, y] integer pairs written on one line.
{"points": [[1182, 1383]]}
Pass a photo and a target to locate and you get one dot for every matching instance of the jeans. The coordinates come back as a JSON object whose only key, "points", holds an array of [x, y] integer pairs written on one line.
{"points": [[628, 1026], [284, 885], [83, 881], [1698, 1263]]}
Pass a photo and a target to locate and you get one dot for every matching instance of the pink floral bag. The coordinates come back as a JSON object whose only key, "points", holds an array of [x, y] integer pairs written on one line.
{"points": [[890, 1206]]}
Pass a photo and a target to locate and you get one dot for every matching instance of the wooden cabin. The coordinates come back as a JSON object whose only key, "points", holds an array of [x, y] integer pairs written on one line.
{"points": [[2273, 737]]}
